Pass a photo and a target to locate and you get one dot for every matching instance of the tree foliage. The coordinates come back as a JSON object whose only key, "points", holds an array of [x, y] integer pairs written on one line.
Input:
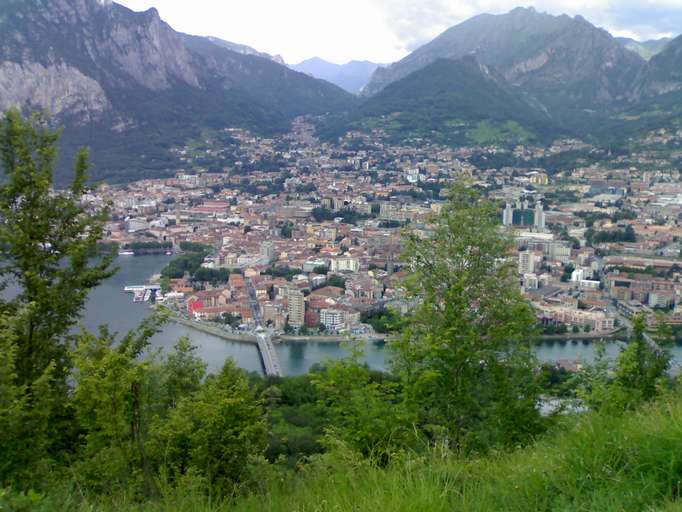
{"points": [[464, 352], [370, 416], [47, 241], [215, 432], [638, 374]]}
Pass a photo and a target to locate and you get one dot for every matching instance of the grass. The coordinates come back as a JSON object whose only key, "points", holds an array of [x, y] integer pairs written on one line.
{"points": [[594, 463], [487, 132], [599, 464]]}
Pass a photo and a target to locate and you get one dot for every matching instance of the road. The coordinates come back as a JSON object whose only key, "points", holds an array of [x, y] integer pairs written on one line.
{"points": [[266, 347]]}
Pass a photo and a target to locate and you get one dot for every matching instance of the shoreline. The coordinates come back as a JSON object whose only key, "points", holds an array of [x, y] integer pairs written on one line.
{"points": [[379, 338], [253, 340], [585, 336]]}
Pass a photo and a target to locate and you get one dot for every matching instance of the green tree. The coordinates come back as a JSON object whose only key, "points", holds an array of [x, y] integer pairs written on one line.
{"points": [[464, 353], [287, 230], [637, 376], [165, 284], [117, 393], [215, 432], [644, 363], [47, 241], [26, 430], [369, 416], [183, 372]]}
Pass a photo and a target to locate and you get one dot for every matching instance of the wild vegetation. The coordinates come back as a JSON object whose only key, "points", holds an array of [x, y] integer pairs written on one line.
{"points": [[89, 421]]}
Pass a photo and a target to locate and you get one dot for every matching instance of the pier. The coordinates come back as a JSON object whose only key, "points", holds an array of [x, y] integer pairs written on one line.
{"points": [[141, 288]]}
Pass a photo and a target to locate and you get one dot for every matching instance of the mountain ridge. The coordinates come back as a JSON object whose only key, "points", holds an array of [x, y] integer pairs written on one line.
{"points": [[116, 77], [245, 50], [536, 51]]}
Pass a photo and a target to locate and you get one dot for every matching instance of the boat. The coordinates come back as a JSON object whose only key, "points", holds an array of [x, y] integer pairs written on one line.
{"points": [[126, 253]]}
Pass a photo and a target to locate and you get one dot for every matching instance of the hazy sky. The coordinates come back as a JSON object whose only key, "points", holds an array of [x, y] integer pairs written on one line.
{"points": [[384, 30]]}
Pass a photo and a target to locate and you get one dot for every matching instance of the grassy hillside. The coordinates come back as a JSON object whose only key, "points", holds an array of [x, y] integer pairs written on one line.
{"points": [[600, 463], [593, 463]]}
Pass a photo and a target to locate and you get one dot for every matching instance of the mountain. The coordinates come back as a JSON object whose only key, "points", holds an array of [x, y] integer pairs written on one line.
{"points": [[645, 49], [566, 63], [452, 102], [352, 76], [128, 85], [663, 73], [245, 50]]}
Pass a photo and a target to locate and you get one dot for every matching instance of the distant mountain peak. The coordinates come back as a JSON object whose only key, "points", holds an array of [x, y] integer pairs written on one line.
{"points": [[550, 57], [351, 76], [524, 10], [645, 49]]}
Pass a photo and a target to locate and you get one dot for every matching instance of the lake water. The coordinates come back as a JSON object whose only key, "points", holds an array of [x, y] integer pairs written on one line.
{"points": [[109, 305]]}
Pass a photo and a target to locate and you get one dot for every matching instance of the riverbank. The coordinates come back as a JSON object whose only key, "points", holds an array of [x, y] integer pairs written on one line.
{"points": [[327, 339], [580, 336], [214, 331], [377, 338]]}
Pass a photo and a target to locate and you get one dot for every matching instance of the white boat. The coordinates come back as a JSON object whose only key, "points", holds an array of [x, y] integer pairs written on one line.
{"points": [[126, 253]]}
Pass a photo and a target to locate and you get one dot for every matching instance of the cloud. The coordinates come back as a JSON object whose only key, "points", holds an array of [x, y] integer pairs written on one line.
{"points": [[417, 22], [385, 30]]}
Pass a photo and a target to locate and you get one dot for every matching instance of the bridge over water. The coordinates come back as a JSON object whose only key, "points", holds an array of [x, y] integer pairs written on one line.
{"points": [[269, 356], [266, 347]]}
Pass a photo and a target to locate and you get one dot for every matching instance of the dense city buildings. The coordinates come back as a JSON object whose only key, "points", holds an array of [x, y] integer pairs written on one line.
{"points": [[315, 228]]}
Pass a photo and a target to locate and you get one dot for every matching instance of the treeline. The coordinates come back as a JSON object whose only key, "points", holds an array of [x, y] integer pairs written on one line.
{"points": [[346, 215], [149, 247], [383, 321], [195, 247], [185, 263], [613, 236], [592, 217], [190, 263]]}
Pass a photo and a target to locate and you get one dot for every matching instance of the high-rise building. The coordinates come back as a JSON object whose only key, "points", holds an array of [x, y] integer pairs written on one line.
{"points": [[526, 262], [539, 217], [267, 251], [296, 309], [332, 319], [508, 215]]}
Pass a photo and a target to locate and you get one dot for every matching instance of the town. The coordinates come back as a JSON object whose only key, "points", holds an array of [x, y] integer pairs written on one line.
{"points": [[303, 237]]}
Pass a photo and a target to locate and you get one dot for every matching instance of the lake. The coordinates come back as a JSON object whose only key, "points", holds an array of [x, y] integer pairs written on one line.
{"points": [[109, 305]]}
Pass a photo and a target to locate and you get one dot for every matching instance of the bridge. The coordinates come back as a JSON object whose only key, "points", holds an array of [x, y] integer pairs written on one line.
{"points": [[266, 347], [269, 356]]}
